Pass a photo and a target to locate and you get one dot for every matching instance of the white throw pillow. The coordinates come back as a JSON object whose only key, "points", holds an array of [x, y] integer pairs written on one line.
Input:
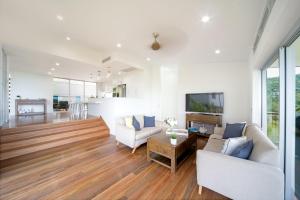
{"points": [[128, 121], [231, 143]]}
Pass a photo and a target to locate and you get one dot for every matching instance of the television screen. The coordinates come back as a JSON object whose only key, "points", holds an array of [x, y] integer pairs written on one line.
{"points": [[204, 102]]}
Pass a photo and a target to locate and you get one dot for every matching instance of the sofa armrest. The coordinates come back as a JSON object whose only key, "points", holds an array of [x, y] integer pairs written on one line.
{"points": [[125, 135], [238, 178]]}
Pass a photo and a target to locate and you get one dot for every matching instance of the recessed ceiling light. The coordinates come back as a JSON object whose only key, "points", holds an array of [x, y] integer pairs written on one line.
{"points": [[52, 69], [205, 19], [148, 59], [57, 64], [68, 38], [59, 17], [119, 45], [50, 73], [217, 51]]}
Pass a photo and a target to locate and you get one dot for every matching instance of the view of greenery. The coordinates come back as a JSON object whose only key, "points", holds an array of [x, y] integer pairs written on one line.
{"points": [[273, 107]]}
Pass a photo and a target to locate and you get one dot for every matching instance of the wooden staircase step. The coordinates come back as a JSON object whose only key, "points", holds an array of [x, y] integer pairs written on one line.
{"points": [[28, 142], [49, 138], [36, 127], [52, 144], [56, 130]]}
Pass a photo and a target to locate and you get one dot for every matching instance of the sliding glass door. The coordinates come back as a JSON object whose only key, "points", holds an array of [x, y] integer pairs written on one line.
{"points": [[281, 111], [292, 169], [297, 115]]}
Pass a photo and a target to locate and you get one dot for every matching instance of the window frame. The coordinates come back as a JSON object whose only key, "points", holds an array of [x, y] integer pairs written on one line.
{"points": [[67, 80]]}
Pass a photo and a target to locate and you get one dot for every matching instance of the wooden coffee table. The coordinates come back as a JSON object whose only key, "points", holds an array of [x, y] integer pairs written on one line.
{"points": [[160, 149]]}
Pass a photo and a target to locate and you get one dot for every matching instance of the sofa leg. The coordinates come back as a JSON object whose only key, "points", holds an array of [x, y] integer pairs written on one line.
{"points": [[133, 150], [200, 190]]}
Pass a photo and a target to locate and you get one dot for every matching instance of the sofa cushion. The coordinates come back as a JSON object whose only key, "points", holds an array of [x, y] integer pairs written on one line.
{"points": [[264, 151], [216, 136], [244, 150], [234, 130], [231, 144], [146, 132], [149, 121], [136, 124], [215, 145], [140, 119]]}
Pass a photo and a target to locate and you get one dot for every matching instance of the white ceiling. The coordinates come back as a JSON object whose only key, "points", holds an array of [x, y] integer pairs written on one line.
{"points": [[96, 26], [41, 63]]}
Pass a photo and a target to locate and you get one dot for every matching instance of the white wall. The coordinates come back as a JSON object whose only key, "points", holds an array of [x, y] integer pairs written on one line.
{"points": [[138, 85], [31, 86], [231, 78], [163, 88], [256, 97]]}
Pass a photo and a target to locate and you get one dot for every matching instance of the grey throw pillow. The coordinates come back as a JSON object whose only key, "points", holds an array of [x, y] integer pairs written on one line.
{"points": [[234, 130]]}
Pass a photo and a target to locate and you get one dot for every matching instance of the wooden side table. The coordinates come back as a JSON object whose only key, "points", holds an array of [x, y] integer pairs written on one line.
{"points": [[160, 150], [30, 102]]}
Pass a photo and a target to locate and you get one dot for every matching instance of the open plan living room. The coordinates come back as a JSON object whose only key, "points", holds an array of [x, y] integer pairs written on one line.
{"points": [[158, 100]]}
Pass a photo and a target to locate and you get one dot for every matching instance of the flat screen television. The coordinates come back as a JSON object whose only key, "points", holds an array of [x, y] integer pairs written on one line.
{"points": [[205, 102]]}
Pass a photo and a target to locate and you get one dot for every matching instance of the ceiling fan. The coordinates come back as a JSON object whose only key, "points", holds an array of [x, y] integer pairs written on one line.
{"points": [[155, 45]]}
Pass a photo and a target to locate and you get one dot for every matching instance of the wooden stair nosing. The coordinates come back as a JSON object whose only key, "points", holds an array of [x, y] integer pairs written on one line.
{"points": [[24, 151], [23, 129], [57, 130], [4, 147]]}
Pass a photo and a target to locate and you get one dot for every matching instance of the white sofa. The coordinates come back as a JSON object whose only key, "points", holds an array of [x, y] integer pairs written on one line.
{"points": [[132, 138], [259, 178]]}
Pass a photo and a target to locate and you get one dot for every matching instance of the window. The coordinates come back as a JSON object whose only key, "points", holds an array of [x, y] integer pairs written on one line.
{"points": [[61, 87], [76, 91], [67, 91], [271, 105]]}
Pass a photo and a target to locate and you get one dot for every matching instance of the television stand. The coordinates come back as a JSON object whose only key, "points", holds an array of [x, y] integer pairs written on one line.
{"points": [[203, 118]]}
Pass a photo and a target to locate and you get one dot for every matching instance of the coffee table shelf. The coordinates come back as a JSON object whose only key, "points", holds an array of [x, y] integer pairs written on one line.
{"points": [[161, 151]]}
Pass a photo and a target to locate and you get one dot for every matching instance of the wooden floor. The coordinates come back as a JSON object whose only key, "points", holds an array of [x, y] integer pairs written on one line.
{"points": [[99, 170], [55, 117]]}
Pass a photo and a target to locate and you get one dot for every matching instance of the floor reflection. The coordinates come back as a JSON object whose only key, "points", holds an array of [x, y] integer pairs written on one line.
{"points": [[55, 117]]}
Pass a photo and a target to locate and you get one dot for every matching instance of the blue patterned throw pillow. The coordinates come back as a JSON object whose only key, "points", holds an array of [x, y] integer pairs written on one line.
{"points": [[149, 121], [244, 150]]}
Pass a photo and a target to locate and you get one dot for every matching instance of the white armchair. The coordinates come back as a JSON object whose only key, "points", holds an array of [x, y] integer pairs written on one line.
{"points": [[132, 138]]}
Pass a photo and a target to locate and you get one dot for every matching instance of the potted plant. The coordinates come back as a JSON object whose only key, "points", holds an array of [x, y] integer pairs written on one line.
{"points": [[173, 139]]}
